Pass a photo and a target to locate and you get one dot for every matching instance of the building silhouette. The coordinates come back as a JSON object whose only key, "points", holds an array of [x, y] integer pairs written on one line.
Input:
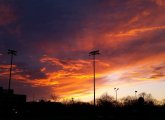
{"points": [[8, 96]]}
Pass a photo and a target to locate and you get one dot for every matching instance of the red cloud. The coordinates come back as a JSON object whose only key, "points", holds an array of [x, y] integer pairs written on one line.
{"points": [[160, 2], [7, 14]]}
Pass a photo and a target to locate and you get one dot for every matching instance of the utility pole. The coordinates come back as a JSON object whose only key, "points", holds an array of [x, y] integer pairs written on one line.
{"points": [[93, 53], [116, 89], [12, 53]]}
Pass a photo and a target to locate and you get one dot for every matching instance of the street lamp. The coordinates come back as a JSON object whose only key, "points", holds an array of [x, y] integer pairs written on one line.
{"points": [[93, 53], [12, 53], [135, 93], [116, 89]]}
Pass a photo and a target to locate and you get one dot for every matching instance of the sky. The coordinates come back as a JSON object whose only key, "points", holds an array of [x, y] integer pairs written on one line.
{"points": [[53, 39]]}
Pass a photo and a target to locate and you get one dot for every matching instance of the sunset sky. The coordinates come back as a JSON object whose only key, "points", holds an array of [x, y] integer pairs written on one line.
{"points": [[53, 39]]}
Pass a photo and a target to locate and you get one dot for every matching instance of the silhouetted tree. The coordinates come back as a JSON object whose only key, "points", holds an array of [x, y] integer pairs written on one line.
{"points": [[42, 101], [106, 100], [141, 101], [149, 100], [163, 102], [128, 101], [143, 94], [54, 97]]}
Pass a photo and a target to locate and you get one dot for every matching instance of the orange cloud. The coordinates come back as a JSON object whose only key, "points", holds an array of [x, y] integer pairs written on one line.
{"points": [[74, 65], [142, 70], [135, 32], [160, 2], [66, 64], [72, 76], [4, 69]]}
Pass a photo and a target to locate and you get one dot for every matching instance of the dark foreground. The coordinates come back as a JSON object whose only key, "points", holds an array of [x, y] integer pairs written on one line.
{"points": [[79, 111]]}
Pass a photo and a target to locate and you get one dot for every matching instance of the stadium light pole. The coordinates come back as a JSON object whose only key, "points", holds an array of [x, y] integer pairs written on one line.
{"points": [[116, 89], [93, 53], [12, 53]]}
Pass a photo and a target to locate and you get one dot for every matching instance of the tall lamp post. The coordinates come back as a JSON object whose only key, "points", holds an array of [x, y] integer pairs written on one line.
{"points": [[135, 94], [93, 53], [12, 53], [116, 89]]}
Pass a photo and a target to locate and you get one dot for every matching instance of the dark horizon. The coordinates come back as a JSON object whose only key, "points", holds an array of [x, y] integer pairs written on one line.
{"points": [[106, 107]]}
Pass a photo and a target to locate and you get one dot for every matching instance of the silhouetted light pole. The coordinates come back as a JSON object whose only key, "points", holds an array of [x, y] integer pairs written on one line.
{"points": [[135, 94], [93, 53], [116, 89], [12, 53]]}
